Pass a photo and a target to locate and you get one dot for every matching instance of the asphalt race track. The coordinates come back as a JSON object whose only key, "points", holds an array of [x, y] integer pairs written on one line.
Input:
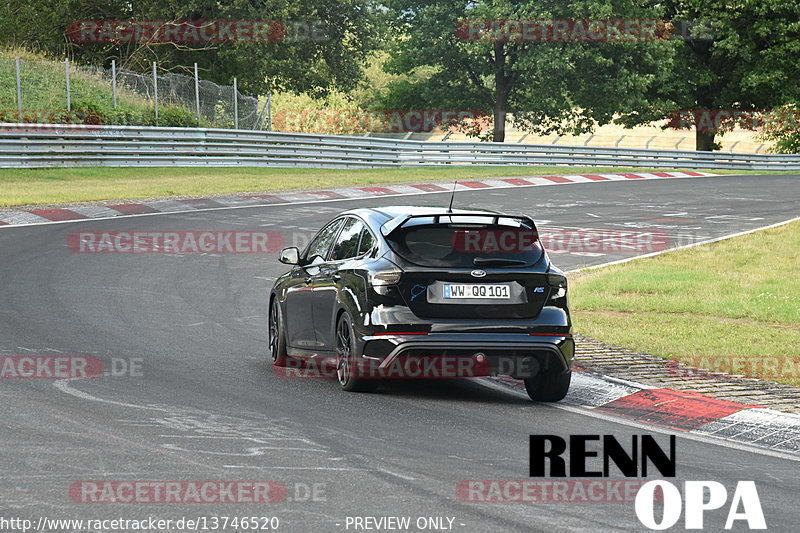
{"points": [[204, 404]]}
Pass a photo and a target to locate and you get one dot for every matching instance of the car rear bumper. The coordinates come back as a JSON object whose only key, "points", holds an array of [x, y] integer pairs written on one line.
{"points": [[518, 355]]}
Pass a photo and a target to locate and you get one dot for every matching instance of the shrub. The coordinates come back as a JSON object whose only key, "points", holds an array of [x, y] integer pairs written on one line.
{"points": [[176, 117], [87, 111], [784, 130]]}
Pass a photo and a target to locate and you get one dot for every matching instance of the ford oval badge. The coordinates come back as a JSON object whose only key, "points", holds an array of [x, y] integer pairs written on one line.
{"points": [[478, 273]]}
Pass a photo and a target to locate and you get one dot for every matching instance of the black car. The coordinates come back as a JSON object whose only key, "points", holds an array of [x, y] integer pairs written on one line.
{"points": [[425, 292]]}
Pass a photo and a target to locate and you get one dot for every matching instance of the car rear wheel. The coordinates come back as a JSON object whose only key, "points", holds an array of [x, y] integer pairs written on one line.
{"points": [[277, 336], [346, 370], [548, 386]]}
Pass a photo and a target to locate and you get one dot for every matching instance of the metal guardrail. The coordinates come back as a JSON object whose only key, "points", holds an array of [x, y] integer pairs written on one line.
{"points": [[56, 145]]}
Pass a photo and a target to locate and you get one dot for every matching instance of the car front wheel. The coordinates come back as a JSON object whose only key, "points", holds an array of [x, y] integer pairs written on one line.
{"points": [[277, 335], [347, 369]]}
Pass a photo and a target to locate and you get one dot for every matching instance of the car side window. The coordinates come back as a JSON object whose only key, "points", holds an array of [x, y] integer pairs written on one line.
{"points": [[367, 242], [318, 248], [347, 244]]}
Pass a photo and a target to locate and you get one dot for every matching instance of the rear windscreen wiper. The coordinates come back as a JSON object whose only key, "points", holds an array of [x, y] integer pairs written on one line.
{"points": [[485, 261]]}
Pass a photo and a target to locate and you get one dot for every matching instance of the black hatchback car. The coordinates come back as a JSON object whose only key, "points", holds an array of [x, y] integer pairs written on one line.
{"points": [[414, 292]]}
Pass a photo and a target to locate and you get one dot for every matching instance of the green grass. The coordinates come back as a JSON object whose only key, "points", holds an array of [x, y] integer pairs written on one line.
{"points": [[63, 185], [44, 83], [735, 298]]}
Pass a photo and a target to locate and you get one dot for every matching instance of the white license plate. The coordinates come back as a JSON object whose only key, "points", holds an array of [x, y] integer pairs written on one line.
{"points": [[483, 291]]}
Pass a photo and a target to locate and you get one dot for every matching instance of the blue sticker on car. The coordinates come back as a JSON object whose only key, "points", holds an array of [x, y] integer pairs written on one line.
{"points": [[416, 290]]}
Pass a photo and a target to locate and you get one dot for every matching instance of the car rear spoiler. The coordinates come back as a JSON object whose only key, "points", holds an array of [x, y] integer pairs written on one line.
{"points": [[399, 221]]}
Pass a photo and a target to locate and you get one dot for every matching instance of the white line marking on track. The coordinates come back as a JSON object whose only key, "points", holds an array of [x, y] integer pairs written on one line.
{"points": [[395, 474], [254, 451], [540, 183], [63, 386], [262, 467]]}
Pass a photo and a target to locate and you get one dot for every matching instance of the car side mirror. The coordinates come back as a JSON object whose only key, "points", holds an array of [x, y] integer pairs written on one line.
{"points": [[290, 256]]}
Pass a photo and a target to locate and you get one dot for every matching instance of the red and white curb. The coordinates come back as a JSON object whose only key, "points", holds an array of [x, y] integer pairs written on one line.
{"points": [[681, 411], [112, 209]]}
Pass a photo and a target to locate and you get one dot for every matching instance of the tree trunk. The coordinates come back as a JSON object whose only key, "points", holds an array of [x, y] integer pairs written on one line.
{"points": [[499, 122], [704, 140], [502, 86]]}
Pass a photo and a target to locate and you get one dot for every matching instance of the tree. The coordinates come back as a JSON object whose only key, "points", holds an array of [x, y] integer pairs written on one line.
{"points": [[564, 87], [325, 43], [741, 55]]}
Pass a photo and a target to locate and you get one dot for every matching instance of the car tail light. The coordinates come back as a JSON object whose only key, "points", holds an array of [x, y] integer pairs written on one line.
{"points": [[558, 285], [382, 278]]}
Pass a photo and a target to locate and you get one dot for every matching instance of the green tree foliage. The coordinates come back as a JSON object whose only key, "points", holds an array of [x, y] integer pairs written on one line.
{"points": [[325, 44], [783, 128], [740, 55], [565, 87]]}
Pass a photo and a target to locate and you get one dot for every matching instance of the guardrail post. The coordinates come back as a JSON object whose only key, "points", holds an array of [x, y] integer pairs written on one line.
{"points": [[269, 111], [197, 93], [235, 106], [589, 139], [760, 147], [679, 142], [733, 146], [114, 80], [523, 138], [155, 90], [69, 97], [557, 138], [616, 144], [19, 92], [647, 144]]}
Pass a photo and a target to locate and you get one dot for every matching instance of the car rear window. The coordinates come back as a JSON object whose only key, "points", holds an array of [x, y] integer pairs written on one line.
{"points": [[467, 245]]}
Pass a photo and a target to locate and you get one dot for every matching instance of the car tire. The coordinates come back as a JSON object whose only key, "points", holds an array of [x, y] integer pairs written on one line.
{"points": [[548, 386], [276, 336], [345, 351]]}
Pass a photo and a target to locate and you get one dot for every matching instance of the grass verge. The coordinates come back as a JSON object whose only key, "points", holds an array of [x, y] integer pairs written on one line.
{"points": [[731, 306], [63, 185]]}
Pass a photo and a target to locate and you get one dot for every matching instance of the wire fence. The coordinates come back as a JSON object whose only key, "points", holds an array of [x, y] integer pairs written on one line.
{"points": [[61, 92]]}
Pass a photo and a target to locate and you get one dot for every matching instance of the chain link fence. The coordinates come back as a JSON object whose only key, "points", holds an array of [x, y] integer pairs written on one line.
{"points": [[35, 91]]}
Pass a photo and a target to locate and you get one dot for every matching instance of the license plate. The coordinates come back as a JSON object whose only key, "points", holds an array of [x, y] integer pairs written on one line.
{"points": [[482, 291]]}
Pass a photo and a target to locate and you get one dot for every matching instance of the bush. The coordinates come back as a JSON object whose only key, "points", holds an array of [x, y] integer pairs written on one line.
{"points": [[176, 117], [87, 112], [784, 130], [125, 116]]}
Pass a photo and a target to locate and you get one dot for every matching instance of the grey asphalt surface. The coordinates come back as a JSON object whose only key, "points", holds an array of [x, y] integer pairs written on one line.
{"points": [[207, 405]]}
